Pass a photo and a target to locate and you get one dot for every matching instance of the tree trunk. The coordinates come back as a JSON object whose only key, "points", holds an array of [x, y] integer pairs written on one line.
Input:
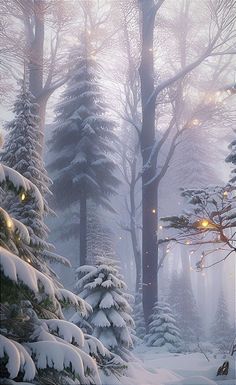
{"points": [[149, 191], [83, 229], [137, 258], [36, 50]]}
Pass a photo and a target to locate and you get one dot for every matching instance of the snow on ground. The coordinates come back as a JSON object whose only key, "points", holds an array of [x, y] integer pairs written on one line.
{"points": [[155, 368]]}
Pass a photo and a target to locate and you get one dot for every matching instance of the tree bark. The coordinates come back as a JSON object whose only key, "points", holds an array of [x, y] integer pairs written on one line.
{"points": [[83, 229], [149, 191]]}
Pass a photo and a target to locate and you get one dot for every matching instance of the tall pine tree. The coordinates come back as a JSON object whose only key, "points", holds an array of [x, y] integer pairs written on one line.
{"points": [[81, 143]]}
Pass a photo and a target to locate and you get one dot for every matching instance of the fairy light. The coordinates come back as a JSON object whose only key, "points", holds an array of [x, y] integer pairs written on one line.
{"points": [[23, 196], [225, 193], [9, 224], [195, 122], [160, 227], [204, 223], [154, 211], [167, 250], [150, 49], [28, 260], [120, 237], [187, 242]]}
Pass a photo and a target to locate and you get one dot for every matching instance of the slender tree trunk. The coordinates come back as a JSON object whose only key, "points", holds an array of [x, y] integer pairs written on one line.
{"points": [[36, 50], [137, 258], [83, 229], [149, 191], [35, 29]]}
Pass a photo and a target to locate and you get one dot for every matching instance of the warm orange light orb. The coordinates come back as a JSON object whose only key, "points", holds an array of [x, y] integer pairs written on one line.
{"points": [[204, 223]]}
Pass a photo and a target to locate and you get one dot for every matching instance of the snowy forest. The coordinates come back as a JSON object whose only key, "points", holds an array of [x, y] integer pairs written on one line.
{"points": [[118, 192]]}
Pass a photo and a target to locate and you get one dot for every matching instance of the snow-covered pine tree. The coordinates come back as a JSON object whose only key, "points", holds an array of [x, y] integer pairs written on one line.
{"points": [[37, 344], [81, 143], [21, 152], [183, 304], [221, 330], [140, 327], [103, 288], [162, 329]]}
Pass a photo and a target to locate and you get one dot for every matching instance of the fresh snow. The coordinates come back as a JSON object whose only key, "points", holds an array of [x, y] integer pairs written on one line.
{"points": [[66, 330], [18, 359], [7, 174]]}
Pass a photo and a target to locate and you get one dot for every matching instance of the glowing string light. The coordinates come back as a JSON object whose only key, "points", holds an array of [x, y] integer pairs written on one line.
{"points": [[9, 224], [23, 196]]}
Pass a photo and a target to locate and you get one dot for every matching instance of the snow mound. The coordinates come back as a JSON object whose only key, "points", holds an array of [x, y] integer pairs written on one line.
{"points": [[197, 380]]}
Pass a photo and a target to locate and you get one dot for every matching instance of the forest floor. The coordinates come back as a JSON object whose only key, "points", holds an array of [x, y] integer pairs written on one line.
{"points": [[158, 368]]}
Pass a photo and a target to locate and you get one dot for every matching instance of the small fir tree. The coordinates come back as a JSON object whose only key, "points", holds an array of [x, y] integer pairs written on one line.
{"points": [[81, 142], [162, 329], [221, 330], [103, 288]]}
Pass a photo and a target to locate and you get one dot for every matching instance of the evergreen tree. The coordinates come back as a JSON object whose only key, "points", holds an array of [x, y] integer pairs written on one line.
{"points": [[81, 142], [37, 344], [103, 288], [162, 329], [221, 331], [140, 327], [21, 152], [183, 304]]}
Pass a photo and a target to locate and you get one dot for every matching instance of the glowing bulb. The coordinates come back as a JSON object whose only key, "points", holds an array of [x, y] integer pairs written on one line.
{"points": [[225, 193], [153, 211], [22, 197], [167, 250], [187, 243], [195, 122], [160, 227], [204, 223], [28, 260], [9, 223]]}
